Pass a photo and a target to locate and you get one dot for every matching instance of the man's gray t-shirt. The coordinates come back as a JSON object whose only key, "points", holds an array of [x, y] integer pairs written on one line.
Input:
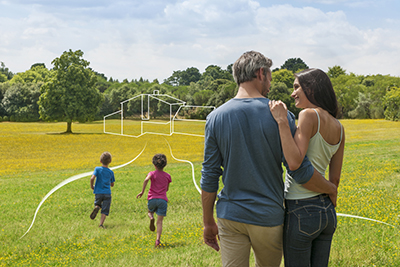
{"points": [[242, 144]]}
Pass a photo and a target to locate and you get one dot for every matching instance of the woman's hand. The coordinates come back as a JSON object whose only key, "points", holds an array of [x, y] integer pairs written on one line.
{"points": [[278, 110]]}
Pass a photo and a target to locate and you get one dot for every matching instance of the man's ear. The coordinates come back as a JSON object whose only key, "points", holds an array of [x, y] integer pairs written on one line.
{"points": [[260, 73]]}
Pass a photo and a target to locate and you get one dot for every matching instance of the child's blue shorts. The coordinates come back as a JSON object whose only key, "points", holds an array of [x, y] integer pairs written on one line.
{"points": [[104, 202], [158, 205]]}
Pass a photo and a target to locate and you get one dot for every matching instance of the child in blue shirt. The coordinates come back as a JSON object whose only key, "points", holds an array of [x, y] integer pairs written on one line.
{"points": [[102, 189]]}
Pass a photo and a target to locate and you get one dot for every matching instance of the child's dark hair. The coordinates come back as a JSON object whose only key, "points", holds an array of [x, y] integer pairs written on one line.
{"points": [[160, 161], [105, 158]]}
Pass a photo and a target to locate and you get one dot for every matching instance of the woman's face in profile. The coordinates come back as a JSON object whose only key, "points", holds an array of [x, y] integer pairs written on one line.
{"points": [[300, 98]]}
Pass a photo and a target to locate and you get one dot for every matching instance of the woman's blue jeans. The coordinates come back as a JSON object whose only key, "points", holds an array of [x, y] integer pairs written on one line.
{"points": [[308, 230]]}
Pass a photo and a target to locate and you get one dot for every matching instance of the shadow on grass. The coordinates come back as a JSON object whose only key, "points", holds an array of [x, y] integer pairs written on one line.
{"points": [[65, 133], [171, 245]]}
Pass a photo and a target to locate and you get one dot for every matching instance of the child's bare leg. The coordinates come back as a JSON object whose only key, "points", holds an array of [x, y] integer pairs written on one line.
{"points": [[159, 226], [102, 219], [151, 216]]}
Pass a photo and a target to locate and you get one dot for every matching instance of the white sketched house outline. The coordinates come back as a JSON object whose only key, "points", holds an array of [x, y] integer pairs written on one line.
{"points": [[173, 116]]}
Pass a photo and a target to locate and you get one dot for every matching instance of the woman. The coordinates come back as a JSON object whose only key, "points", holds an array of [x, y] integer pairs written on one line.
{"points": [[310, 217]]}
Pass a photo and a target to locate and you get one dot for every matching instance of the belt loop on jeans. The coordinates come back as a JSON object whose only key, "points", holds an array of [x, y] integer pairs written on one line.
{"points": [[323, 196]]}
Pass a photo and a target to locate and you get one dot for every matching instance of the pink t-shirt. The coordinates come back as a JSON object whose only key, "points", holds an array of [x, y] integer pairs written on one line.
{"points": [[159, 185]]}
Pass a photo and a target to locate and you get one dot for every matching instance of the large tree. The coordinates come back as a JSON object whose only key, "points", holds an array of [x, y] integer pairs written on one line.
{"points": [[70, 94], [184, 77], [294, 65]]}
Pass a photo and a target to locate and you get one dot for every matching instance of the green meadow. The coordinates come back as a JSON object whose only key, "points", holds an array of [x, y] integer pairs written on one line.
{"points": [[36, 158]]}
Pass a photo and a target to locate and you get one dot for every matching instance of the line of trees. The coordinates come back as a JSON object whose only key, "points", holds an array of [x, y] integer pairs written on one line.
{"points": [[71, 91]]}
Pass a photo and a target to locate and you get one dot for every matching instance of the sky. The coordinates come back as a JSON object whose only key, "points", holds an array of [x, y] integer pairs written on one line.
{"points": [[129, 39]]}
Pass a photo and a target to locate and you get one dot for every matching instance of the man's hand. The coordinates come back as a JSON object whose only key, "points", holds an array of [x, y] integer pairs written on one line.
{"points": [[210, 234], [333, 198]]}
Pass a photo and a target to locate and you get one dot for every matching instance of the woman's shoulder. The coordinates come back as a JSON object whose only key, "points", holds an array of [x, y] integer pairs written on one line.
{"points": [[309, 114], [308, 111], [308, 121]]}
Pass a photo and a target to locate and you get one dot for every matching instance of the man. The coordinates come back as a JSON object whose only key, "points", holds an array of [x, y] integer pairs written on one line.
{"points": [[242, 137]]}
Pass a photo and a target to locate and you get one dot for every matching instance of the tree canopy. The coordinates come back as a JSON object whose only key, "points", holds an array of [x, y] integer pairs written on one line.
{"points": [[72, 91], [335, 72], [284, 76], [70, 94], [20, 100], [392, 103], [36, 74], [184, 77], [294, 65], [5, 73], [192, 74]]}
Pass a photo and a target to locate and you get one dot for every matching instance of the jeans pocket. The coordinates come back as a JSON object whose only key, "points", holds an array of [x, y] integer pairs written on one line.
{"points": [[309, 220]]}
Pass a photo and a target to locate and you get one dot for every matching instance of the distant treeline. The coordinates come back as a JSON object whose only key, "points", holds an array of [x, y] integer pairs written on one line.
{"points": [[361, 97]]}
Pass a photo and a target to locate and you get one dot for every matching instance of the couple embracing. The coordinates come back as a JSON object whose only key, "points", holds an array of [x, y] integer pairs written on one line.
{"points": [[246, 141]]}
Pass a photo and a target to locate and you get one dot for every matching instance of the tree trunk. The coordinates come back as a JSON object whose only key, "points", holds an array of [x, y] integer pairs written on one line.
{"points": [[69, 127]]}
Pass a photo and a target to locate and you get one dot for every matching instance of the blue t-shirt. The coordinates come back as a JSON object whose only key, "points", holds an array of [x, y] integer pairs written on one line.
{"points": [[242, 144], [104, 178]]}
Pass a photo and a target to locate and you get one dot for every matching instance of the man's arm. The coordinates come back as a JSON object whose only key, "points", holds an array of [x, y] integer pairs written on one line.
{"points": [[319, 184], [316, 182], [209, 184], [210, 231]]}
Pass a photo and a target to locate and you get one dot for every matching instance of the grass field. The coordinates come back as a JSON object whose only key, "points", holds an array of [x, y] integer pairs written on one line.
{"points": [[36, 158]]}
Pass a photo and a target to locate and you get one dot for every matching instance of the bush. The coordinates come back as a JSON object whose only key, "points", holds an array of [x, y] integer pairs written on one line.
{"points": [[26, 114], [392, 104], [377, 113]]}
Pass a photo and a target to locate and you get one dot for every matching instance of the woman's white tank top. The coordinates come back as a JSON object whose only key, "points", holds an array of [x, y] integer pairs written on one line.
{"points": [[319, 153]]}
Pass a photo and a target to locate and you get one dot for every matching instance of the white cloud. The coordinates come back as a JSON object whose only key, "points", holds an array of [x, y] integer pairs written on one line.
{"points": [[151, 39], [325, 39], [351, 3]]}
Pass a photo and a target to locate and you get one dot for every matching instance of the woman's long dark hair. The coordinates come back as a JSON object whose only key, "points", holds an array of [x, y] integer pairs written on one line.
{"points": [[318, 89]]}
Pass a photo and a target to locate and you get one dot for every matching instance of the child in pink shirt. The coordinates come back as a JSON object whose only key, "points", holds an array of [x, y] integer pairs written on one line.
{"points": [[157, 196]]}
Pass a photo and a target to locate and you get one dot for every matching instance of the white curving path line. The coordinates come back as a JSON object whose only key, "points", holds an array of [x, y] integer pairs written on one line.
{"points": [[182, 160], [76, 177], [338, 214], [363, 218], [71, 179]]}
